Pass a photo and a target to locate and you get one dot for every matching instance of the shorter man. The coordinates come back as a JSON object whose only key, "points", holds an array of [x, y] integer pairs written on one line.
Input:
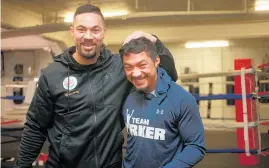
{"points": [[162, 119]]}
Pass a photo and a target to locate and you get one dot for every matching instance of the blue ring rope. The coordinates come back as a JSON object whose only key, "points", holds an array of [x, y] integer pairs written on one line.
{"points": [[13, 97], [229, 96], [11, 129], [232, 150]]}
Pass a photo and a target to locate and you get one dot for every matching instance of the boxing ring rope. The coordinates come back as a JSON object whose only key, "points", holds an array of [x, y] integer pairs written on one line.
{"points": [[228, 96], [206, 83], [235, 150], [10, 122], [220, 74], [15, 86], [13, 97], [232, 150], [217, 74], [263, 65]]}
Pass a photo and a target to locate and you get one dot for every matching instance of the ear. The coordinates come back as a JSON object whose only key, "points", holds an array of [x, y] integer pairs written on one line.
{"points": [[105, 31], [157, 61], [71, 30]]}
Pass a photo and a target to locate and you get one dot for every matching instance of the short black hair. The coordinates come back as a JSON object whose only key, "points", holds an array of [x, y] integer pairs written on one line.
{"points": [[88, 8], [136, 46]]}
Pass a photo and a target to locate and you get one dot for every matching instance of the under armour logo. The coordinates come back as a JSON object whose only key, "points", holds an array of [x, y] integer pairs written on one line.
{"points": [[159, 112]]}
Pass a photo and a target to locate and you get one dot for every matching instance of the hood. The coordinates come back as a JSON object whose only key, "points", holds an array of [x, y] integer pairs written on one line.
{"points": [[163, 82], [162, 87]]}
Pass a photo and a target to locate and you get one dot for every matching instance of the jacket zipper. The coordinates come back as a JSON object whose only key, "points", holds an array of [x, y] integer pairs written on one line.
{"points": [[94, 137]]}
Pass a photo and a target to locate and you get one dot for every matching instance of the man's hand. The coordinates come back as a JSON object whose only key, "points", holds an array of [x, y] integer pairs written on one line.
{"points": [[138, 34]]}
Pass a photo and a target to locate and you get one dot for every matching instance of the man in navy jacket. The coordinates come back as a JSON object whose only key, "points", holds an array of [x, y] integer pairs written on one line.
{"points": [[162, 119]]}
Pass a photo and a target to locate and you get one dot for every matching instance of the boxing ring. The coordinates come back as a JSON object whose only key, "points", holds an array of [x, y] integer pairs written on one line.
{"points": [[247, 121]]}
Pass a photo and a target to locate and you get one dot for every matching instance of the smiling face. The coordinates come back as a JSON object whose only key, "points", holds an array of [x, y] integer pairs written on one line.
{"points": [[88, 33], [141, 70]]}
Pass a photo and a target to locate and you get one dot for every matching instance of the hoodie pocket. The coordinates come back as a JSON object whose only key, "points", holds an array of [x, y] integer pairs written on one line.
{"points": [[62, 148], [65, 155]]}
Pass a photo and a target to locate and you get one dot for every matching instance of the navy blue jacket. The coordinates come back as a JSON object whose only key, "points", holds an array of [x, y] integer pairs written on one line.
{"points": [[163, 131]]}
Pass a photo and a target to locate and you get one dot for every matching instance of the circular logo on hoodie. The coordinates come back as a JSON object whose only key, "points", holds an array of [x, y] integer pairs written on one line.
{"points": [[71, 83]]}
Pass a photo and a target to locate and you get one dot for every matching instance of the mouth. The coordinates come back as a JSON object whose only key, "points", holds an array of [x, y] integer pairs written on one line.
{"points": [[139, 81], [88, 46]]}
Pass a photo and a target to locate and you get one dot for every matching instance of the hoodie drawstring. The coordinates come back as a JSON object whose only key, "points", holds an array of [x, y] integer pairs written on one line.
{"points": [[68, 90], [103, 94]]}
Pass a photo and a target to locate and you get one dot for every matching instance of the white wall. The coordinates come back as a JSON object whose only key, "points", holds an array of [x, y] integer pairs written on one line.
{"points": [[42, 61]]}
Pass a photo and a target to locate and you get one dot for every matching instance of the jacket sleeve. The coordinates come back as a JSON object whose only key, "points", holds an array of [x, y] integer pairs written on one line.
{"points": [[38, 119], [192, 131], [167, 60]]}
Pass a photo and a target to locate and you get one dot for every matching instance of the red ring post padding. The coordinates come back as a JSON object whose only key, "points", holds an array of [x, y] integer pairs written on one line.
{"points": [[245, 160]]}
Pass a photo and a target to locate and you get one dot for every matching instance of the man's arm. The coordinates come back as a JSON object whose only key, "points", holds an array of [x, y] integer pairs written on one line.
{"points": [[192, 131], [38, 118], [166, 58]]}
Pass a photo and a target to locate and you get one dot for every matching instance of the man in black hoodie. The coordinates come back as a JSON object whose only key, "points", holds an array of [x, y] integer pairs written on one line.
{"points": [[78, 100]]}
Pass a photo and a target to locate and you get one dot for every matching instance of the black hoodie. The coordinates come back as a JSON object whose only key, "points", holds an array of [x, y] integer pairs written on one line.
{"points": [[81, 119]]}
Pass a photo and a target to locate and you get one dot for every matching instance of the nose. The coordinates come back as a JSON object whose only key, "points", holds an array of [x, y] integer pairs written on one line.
{"points": [[136, 73], [88, 35]]}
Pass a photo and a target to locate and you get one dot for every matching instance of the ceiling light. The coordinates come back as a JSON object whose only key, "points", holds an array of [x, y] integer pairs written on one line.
{"points": [[262, 5], [68, 17], [205, 44]]}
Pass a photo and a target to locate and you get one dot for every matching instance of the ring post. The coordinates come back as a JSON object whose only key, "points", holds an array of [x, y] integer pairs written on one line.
{"points": [[252, 133]]}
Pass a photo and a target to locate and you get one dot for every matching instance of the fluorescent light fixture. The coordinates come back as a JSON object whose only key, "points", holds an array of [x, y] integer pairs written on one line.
{"points": [[205, 44], [262, 5], [69, 16]]}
